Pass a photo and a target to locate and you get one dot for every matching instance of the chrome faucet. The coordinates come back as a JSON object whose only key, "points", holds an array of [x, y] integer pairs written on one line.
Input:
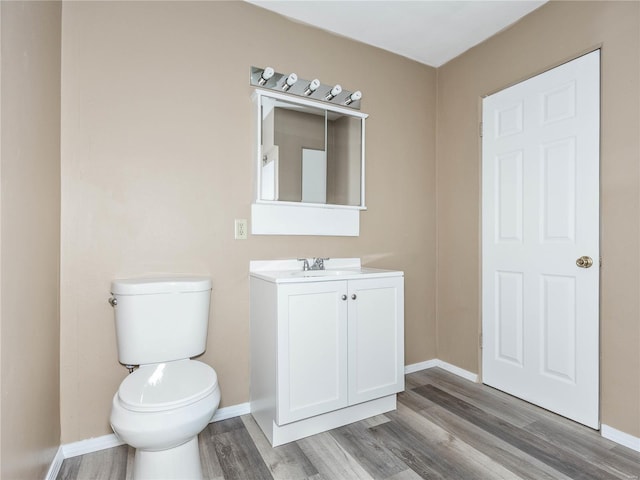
{"points": [[318, 263], [305, 264]]}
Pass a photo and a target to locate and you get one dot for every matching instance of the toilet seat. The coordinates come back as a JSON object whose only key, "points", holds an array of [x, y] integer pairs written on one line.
{"points": [[166, 386]]}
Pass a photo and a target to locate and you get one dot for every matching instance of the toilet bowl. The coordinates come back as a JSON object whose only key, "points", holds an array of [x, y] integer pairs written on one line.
{"points": [[159, 410]]}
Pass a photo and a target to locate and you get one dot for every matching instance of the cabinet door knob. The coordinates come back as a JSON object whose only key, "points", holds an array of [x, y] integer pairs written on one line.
{"points": [[344, 297], [354, 296]]}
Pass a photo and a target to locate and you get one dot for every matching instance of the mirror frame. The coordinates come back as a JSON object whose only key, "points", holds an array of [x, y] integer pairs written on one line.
{"points": [[257, 99]]}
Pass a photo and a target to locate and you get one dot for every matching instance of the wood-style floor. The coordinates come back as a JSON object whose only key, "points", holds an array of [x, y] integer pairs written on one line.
{"points": [[444, 428]]}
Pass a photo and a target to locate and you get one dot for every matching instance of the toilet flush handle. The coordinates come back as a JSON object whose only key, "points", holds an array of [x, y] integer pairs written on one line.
{"points": [[113, 301]]}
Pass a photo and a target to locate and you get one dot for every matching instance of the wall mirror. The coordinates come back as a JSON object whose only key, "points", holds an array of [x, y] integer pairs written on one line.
{"points": [[309, 153]]}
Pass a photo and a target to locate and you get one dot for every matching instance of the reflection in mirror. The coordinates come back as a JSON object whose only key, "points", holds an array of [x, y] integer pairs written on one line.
{"points": [[310, 154], [314, 176]]}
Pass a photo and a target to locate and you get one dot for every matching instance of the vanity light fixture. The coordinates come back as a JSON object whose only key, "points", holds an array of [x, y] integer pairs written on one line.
{"points": [[313, 90], [267, 73], [312, 87], [331, 94], [355, 96], [289, 82]]}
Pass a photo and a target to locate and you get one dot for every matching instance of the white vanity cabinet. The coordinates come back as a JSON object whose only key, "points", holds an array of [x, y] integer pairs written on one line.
{"points": [[325, 350]]}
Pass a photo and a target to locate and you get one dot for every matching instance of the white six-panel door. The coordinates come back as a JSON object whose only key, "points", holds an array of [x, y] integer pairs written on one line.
{"points": [[540, 208]]}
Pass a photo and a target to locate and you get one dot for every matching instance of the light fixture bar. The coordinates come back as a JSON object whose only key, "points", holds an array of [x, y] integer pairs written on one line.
{"points": [[290, 84]]}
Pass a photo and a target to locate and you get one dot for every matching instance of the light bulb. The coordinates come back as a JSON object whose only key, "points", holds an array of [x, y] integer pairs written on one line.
{"points": [[333, 92], [354, 97], [267, 73], [312, 87], [291, 79]]}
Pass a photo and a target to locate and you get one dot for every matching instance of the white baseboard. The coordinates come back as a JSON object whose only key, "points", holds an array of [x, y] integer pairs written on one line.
{"points": [[416, 367], [96, 444], [443, 365], [90, 445], [56, 465], [472, 377], [232, 411], [619, 437]]}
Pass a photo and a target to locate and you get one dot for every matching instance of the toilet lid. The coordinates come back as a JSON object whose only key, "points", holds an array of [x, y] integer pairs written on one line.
{"points": [[164, 386]]}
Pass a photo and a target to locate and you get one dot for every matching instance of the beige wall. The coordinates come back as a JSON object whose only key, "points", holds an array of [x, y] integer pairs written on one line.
{"points": [[30, 237], [344, 160], [552, 34], [156, 164]]}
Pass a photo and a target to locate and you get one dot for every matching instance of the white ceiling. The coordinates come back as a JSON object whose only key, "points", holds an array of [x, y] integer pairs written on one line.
{"points": [[428, 31]]}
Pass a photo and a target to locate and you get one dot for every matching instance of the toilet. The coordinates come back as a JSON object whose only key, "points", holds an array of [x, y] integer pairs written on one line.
{"points": [[162, 406]]}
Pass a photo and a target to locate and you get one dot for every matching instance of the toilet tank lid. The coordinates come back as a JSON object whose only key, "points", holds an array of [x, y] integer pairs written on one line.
{"points": [[155, 285]]}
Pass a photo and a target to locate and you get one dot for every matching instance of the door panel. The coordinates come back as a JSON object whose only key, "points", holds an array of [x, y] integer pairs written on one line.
{"points": [[558, 190], [312, 350], [376, 338], [540, 213], [510, 317], [509, 198], [559, 326]]}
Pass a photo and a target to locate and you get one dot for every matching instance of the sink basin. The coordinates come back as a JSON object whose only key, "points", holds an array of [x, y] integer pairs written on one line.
{"points": [[323, 273]]}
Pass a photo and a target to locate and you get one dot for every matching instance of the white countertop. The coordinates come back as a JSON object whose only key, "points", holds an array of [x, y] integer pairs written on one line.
{"points": [[290, 271]]}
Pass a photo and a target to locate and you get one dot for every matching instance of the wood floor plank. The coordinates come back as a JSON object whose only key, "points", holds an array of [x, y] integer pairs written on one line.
{"points": [[69, 469], [131, 453], [488, 399], [414, 400], [405, 446], [515, 460], [238, 456], [471, 462], [625, 452], [226, 426], [562, 460], [374, 421], [286, 462], [590, 447], [211, 469], [357, 439], [406, 475], [108, 464], [330, 459]]}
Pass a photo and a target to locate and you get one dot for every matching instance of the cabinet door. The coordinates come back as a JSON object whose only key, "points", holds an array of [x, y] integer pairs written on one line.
{"points": [[376, 338], [312, 349]]}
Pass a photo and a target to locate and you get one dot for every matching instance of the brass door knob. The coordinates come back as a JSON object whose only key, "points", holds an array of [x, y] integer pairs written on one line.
{"points": [[584, 262]]}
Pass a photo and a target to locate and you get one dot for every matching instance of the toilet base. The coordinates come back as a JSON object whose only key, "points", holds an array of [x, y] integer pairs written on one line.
{"points": [[178, 463]]}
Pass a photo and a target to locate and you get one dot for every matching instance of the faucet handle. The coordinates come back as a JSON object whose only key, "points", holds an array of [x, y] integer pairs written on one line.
{"points": [[318, 262], [305, 265]]}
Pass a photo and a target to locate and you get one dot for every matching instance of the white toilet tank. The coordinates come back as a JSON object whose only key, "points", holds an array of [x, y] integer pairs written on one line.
{"points": [[161, 319]]}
